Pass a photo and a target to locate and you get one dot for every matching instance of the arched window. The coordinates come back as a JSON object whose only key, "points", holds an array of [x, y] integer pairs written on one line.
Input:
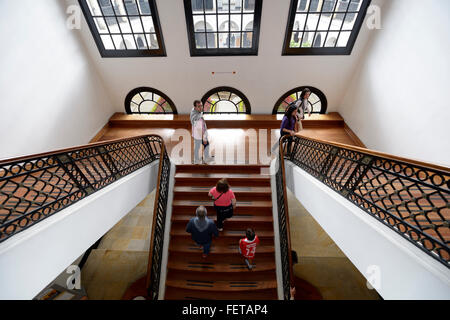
{"points": [[146, 100], [226, 100], [317, 100]]}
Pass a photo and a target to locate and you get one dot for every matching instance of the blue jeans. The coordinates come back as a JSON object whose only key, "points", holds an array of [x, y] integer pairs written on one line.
{"points": [[197, 146], [206, 247]]}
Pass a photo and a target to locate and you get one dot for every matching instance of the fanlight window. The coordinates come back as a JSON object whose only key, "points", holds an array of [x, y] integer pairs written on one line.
{"points": [[225, 100], [318, 101], [148, 101]]}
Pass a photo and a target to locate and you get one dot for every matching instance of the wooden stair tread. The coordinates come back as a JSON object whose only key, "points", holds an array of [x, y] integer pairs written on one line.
{"points": [[208, 203], [239, 189], [236, 218], [190, 247], [173, 293], [217, 176], [221, 168], [211, 285], [201, 265], [180, 230]]}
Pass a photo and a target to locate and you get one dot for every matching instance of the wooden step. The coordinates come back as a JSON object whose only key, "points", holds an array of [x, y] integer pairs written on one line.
{"points": [[206, 265], [254, 169], [263, 254], [230, 224], [221, 246], [242, 207], [248, 275], [236, 219], [180, 231], [241, 193], [210, 180], [175, 293], [221, 285]]}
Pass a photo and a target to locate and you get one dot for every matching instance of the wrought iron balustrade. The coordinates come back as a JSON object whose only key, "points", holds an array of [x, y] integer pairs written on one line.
{"points": [[158, 226], [283, 223], [35, 187], [410, 197]]}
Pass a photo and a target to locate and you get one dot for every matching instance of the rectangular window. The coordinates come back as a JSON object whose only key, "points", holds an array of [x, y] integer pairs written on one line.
{"points": [[223, 27], [124, 28], [324, 27]]}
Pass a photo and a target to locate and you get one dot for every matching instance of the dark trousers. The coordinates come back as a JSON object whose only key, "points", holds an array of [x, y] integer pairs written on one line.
{"points": [[221, 217], [289, 143]]}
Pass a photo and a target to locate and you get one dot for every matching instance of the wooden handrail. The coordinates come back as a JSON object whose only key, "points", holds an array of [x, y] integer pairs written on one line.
{"points": [[71, 149], [378, 154], [155, 215], [286, 210]]}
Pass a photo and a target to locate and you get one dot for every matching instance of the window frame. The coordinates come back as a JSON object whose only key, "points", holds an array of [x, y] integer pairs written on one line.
{"points": [[253, 51], [318, 92], [136, 91], [206, 96], [287, 51], [120, 53]]}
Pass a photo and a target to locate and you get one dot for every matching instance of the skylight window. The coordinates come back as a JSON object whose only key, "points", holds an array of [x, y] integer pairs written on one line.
{"points": [[324, 27], [124, 28], [223, 27]]}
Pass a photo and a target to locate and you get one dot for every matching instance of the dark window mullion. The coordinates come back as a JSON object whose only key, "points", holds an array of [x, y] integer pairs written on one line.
{"points": [[331, 20], [129, 20], [242, 24], [342, 25], [107, 27], [144, 33], [118, 25], [317, 27]]}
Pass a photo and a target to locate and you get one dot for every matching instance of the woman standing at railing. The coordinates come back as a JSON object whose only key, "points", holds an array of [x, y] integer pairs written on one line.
{"points": [[288, 124]]}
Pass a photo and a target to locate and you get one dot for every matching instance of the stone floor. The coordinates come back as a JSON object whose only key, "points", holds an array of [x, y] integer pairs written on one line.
{"points": [[321, 262], [122, 257]]}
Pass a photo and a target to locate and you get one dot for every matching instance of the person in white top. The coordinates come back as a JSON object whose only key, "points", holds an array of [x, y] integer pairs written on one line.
{"points": [[303, 105], [199, 132]]}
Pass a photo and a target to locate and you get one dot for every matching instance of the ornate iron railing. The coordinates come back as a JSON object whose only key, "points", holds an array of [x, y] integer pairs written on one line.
{"points": [[36, 187], [283, 222], [159, 222], [410, 197]]}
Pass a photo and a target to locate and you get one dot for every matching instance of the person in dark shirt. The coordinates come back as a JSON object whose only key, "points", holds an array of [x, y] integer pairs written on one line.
{"points": [[202, 229], [288, 124]]}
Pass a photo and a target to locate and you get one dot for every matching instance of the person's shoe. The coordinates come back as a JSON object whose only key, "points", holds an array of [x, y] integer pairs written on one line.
{"points": [[209, 160], [249, 266], [220, 229], [204, 256]]}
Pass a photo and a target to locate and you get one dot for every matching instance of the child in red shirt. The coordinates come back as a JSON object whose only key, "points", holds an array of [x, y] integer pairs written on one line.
{"points": [[247, 247]]}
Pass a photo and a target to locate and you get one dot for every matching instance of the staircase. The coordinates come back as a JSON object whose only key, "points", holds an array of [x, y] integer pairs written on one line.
{"points": [[223, 274]]}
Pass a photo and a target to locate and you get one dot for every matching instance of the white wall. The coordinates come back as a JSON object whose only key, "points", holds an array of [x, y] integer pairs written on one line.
{"points": [[397, 268], [50, 95], [263, 78], [398, 100], [33, 258]]}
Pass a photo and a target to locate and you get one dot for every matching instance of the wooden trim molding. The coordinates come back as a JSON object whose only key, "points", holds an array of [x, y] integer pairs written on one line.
{"points": [[353, 136]]}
